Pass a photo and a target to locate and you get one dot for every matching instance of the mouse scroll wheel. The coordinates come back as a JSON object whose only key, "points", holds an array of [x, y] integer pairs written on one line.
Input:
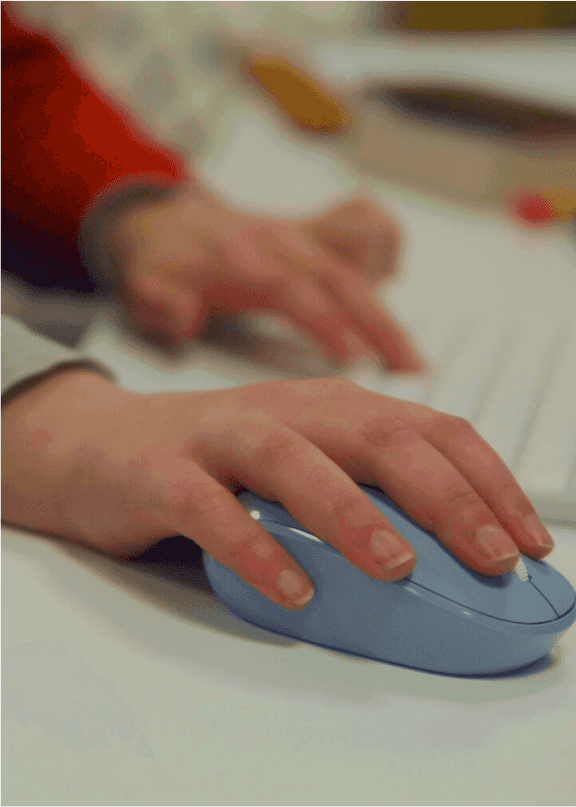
{"points": [[520, 570]]}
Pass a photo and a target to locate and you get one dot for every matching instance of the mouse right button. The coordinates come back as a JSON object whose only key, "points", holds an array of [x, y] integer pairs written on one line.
{"points": [[550, 583]]}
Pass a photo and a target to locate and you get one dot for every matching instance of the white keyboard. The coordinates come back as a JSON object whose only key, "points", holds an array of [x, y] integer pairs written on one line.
{"points": [[517, 386], [515, 381]]}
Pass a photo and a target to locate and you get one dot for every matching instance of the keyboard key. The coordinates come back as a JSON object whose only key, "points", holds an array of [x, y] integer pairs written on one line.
{"points": [[506, 412], [550, 454], [439, 340], [460, 388]]}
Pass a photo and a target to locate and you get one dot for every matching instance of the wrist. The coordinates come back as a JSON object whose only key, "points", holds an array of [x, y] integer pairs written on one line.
{"points": [[100, 241], [42, 430], [184, 203], [56, 395]]}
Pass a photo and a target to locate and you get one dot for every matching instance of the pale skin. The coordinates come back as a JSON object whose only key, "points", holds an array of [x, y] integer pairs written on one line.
{"points": [[193, 256], [88, 461]]}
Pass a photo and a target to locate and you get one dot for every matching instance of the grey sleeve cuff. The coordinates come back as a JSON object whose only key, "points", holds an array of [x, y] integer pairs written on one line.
{"points": [[27, 355], [103, 257]]}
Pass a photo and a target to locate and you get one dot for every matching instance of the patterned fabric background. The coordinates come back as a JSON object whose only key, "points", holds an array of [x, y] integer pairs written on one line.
{"points": [[163, 60]]}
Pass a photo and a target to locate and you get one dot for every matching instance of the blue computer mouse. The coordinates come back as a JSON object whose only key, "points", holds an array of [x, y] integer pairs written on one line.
{"points": [[443, 617]]}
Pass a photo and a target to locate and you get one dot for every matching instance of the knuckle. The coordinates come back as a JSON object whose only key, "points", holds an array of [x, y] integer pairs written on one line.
{"points": [[275, 450], [388, 433], [461, 500], [186, 506], [514, 499], [347, 507], [453, 424], [242, 552]]}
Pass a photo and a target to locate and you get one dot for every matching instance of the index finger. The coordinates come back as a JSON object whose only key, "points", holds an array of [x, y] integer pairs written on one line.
{"points": [[281, 465], [197, 506], [375, 325]]}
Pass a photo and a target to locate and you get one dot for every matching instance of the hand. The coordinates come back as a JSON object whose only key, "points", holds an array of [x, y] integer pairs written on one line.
{"points": [[88, 461], [193, 256]]}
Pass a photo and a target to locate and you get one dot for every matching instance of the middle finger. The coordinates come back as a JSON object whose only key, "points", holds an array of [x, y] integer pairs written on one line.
{"points": [[425, 484]]}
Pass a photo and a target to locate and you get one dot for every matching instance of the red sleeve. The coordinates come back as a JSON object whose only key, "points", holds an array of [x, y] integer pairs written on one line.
{"points": [[63, 141]]}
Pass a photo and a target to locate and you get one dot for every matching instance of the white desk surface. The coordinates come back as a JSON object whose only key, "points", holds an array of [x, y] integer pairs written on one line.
{"points": [[124, 687], [131, 685]]}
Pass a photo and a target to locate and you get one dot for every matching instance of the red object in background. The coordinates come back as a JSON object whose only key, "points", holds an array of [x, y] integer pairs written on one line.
{"points": [[63, 141], [532, 208]]}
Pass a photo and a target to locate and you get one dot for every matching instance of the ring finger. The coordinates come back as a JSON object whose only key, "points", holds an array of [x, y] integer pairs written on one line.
{"points": [[433, 492]]}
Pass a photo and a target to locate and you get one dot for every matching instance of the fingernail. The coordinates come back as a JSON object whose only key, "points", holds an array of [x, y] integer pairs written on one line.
{"points": [[539, 534], [385, 544], [295, 586], [495, 543]]}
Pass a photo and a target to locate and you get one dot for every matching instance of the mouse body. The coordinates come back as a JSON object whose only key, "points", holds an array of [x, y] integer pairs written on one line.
{"points": [[442, 618]]}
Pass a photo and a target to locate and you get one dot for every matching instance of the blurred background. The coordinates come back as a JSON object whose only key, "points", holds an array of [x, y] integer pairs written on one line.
{"points": [[472, 102], [468, 103]]}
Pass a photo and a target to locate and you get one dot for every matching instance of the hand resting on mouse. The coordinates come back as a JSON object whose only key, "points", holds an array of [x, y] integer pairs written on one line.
{"points": [[88, 461]]}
